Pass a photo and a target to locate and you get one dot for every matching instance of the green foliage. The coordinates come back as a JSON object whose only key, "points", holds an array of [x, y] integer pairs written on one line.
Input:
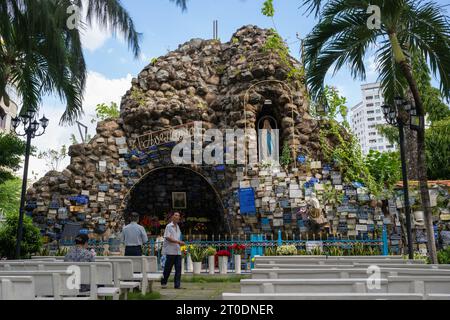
{"points": [[288, 250], [53, 158], [286, 156], [153, 61], [346, 152], [138, 96], [197, 253], [31, 241], [275, 44], [384, 168], [12, 149], [61, 252], [210, 251], [270, 251], [234, 40], [335, 252], [105, 111], [268, 10], [444, 256], [147, 296], [438, 150], [389, 132], [10, 196]]}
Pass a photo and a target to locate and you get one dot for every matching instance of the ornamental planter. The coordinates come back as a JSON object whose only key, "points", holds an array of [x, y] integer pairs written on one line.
{"points": [[211, 265], [190, 265], [183, 261], [223, 265], [197, 268], [237, 263]]}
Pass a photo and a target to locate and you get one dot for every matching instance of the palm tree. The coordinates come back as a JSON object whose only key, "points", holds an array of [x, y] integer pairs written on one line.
{"points": [[408, 28], [40, 54]]}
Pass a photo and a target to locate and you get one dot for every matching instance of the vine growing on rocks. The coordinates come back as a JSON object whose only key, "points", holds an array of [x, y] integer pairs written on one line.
{"points": [[275, 44]]}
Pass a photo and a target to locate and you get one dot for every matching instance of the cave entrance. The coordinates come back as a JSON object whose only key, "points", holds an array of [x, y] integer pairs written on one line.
{"points": [[177, 189]]}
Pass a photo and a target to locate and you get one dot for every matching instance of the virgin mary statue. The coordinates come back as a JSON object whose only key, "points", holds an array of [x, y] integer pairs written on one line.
{"points": [[268, 139]]}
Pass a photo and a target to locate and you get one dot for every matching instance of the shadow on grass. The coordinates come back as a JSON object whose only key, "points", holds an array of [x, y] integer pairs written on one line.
{"points": [[148, 296]]}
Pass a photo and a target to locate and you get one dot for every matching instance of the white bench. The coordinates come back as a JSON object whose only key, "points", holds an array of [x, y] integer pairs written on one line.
{"points": [[139, 263], [321, 296], [92, 273], [337, 273], [17, 288], [287, 260], [47, 283], [393, 284], [350, 265]]}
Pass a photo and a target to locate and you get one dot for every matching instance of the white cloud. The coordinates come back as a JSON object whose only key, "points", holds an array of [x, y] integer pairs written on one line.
{"points": [[99, 89]]}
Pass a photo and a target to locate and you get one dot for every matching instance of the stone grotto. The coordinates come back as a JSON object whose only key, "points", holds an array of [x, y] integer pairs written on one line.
{"points": [[127, 165]]}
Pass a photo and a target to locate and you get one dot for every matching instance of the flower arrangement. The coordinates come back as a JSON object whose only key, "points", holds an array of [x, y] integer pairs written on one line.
{"points": [[223, 253], [287, 251], [237, 248], [200, 228], [211, 251], [197, 253], [184, 252]]}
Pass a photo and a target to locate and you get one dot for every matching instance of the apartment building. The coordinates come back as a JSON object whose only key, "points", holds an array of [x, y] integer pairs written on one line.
{"points": [[6, 115], [366, 115]]}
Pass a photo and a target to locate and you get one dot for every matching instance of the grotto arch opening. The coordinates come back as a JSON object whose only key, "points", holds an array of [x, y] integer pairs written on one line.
{"points": [[177, 189]]}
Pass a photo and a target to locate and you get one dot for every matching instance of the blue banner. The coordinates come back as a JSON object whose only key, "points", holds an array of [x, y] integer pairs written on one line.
{"points": [[247, 201]]}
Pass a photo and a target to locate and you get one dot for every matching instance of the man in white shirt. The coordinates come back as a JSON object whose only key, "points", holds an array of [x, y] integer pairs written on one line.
{"points": [[172, 250], [134, 236]]}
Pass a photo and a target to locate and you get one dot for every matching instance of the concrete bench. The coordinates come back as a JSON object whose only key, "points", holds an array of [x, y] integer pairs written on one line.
{"points": [[92, 273], [138, 264], [287, 260], [17, 288], [350, 265], [393, 284], [321, 296], [47, 283], [342, 273]]}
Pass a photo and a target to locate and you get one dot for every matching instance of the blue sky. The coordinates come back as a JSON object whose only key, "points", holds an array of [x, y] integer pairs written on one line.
{"points": [[164, 26]]}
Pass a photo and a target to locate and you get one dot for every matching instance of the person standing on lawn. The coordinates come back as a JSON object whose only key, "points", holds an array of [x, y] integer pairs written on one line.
{"points": [[134, 236], [172, 250]]}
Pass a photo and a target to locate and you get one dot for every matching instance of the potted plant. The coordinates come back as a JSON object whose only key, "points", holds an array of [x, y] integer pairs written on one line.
{"points": [[223, 261], [287, 251], [197, 255], [190, 265], [210, 253], [238, 250], [184, 254]]}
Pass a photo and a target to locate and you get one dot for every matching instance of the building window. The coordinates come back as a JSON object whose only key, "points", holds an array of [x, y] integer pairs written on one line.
{"points": [[369, 105], [372, 141], [371, 119], [377, 97], [369, 98], [370, 112], [372, 134]]}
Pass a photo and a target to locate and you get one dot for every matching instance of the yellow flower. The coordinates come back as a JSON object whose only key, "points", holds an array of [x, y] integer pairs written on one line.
{"points": [[183, 248]]}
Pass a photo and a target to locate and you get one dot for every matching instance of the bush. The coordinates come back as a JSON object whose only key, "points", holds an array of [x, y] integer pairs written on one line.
{"points": [[287, 251], [197, 253], [444, 256], [31, 239], [211, 251]]}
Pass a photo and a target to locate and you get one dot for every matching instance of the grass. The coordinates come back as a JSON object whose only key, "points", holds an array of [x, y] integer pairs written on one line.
{"points": [[148, 296], [211, 279]]}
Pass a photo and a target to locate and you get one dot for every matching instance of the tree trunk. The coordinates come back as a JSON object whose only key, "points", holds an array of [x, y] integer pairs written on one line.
{"points": [[421, 164], [401, 59]]}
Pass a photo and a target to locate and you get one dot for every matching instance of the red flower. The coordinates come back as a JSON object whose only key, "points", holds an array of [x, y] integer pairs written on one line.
{"points": [[223, 253], [237, 248]]}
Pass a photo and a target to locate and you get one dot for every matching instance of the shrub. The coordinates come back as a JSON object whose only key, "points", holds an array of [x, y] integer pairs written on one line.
{"points": [[197, 253], [287, 251], [444, 256], [31, 239], [211, 251]]}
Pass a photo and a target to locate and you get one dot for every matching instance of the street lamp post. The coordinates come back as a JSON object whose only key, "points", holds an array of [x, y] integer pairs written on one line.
{"points": [[31, 126], [395, 116]]}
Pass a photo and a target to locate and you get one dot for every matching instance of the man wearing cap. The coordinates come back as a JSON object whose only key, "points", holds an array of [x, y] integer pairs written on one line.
{"points": [[134, 236]]}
